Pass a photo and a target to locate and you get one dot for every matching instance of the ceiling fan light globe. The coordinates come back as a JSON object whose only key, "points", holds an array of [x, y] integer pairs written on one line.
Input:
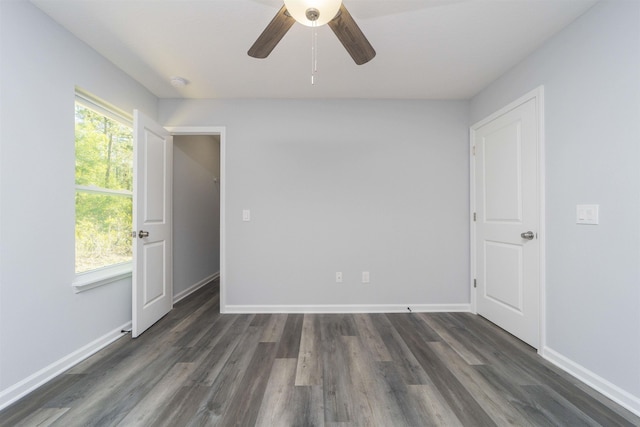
{"points": [[327, 9]]}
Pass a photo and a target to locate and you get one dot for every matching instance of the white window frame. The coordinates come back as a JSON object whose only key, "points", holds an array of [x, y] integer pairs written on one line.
{"points": [[115, 272]]}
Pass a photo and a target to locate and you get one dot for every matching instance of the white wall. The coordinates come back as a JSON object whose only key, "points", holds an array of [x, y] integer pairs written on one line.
{"points": [[341, 185], [196, 211], [42, 320], [591, 75]]}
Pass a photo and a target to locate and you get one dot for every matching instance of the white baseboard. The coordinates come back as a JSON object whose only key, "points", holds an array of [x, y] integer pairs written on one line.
{"points": [[340, 308], [26, 386], [612, 391], [191, 289]]}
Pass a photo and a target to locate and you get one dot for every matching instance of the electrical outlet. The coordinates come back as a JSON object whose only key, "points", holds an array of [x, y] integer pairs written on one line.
{"points": [[365, 277], [338, 276]]}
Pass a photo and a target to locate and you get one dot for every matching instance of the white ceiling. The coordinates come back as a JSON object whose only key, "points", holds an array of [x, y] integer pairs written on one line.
{"points": [[426, 49]]}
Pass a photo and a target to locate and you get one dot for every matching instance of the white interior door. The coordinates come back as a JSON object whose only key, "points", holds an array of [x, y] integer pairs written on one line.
{"points": [[506, 193], [152, 208]]}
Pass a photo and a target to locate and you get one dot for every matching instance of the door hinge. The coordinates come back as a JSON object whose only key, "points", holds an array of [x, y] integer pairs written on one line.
{"points": [[473, 150], [474, 216], [475, 283]]}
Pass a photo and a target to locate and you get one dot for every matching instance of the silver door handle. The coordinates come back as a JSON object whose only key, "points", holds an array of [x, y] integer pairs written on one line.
{"points": [[142, 234], [527, 235]]}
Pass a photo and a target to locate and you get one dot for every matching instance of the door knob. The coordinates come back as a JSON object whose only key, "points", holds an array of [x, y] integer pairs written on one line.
{"points": [[526, 235], [146, 234]]}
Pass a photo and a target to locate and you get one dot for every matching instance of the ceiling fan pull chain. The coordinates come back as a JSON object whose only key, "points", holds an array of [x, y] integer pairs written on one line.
{"points": [[314, 51], [315, 48]]}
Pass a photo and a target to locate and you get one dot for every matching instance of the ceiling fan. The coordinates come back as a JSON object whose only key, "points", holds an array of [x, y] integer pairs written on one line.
{"points": [[314, 13]]}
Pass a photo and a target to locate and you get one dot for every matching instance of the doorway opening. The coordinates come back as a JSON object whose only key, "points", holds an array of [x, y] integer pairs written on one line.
{"points": [[196, 212], [198, 207]]}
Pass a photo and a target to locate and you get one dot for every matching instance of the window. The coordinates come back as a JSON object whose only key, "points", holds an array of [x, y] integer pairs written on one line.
{"points": [[104, 190]]}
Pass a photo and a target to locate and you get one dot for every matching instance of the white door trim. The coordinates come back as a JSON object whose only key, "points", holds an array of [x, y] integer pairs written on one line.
{"points": [[221, 131], [538, 95]]}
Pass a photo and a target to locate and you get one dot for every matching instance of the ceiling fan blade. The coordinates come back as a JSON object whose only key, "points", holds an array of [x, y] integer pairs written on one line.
{"points": [[352, 38], [271, 35]]}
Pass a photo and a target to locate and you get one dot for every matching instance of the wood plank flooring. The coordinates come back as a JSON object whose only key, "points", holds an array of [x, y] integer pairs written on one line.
{"points": [[197, 367]]}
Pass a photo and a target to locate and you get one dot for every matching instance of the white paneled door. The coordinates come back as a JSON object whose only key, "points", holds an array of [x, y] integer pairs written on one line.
{"points": [[152, 208], [506, 193]]}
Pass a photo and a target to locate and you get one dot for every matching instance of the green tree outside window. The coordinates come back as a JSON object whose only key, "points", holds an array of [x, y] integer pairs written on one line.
{"points": [[104, 184]]}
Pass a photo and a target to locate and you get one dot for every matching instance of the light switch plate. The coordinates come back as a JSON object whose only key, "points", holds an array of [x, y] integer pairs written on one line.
{"points": [[246, 215], [587, 214]]}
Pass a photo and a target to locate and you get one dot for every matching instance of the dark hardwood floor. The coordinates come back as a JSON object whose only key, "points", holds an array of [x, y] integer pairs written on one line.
{"points": [[197, 367]]}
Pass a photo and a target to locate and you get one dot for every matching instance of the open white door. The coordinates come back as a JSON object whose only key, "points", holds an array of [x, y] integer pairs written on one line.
{"points": [[507, 212], [152, 247]]}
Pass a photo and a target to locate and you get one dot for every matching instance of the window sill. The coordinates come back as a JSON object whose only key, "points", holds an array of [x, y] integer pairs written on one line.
{"points": [[93, 279]]}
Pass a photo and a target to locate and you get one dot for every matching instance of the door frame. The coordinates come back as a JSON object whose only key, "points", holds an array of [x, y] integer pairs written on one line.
{"points": [[221, 132], [538, 95]]}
